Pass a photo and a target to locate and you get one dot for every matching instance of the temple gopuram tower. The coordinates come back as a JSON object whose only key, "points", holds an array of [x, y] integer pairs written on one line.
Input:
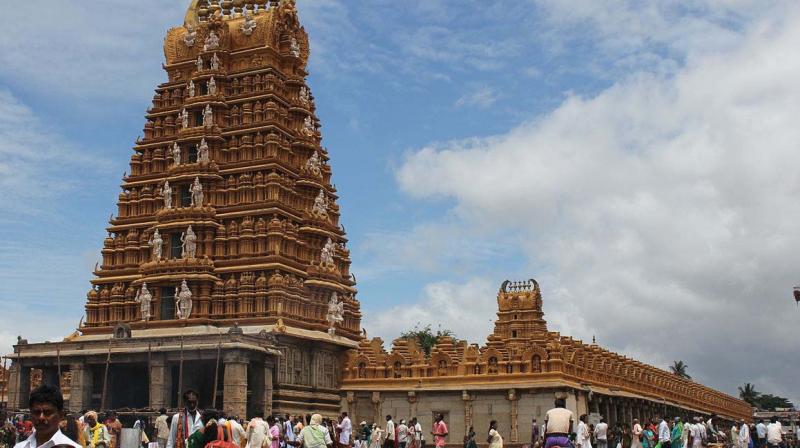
{"points": [[225, 268]]}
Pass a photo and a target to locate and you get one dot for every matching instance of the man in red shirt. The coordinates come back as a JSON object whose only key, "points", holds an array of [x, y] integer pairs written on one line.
{"points": [[439, 431]]}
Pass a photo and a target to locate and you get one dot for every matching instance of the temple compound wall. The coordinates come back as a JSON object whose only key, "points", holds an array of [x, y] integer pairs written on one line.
{"points": [[516, 376]]}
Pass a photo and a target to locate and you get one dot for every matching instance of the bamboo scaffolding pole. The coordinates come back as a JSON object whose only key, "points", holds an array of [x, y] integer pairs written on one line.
{"points": [[216, 373], [105, 377]]}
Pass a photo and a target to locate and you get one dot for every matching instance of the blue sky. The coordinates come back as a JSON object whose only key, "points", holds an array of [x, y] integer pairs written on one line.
{"points": [[635, 157]]}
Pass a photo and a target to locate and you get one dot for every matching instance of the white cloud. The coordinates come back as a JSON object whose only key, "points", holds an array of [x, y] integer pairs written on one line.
{"points": [[662, 212], [482, 98], [442, 307]]}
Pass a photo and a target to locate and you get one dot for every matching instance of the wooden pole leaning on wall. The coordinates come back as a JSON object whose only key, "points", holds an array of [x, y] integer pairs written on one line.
{"points": [[180, 376], [105, 377], [5, 391], [216, 373]]}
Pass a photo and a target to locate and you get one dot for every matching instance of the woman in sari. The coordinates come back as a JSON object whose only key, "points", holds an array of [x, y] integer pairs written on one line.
{"points": [[274, 432], [636, 434], [469, 439], [375, 437], [313, 435]]}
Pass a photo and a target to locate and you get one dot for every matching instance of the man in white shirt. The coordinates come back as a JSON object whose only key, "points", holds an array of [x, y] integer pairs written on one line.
{"points": [[663, 433], [288, 428], [761, 434], [389, 442], [696, 433], [744, 434], [557, 425], [46, 406], [774, 433], [402, 434], [418, 434], [162, 428], [345, 430], [236, 430], [582, 438], [185, 422], [600, 433]]}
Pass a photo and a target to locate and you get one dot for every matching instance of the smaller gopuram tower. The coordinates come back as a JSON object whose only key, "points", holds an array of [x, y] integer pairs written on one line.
{"points": [[225, 269]]}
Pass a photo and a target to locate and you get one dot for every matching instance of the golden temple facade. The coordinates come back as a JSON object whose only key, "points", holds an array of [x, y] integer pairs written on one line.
{"points": [[225, 252], [516, 376]]}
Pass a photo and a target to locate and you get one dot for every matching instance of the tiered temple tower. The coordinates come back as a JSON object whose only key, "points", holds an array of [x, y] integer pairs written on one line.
{"points": [[226, 253]]}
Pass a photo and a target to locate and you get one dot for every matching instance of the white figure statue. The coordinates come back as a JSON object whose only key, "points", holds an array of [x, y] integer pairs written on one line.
{"points": [[156, 244], [189, 244], [249, 24], [208, 116], [191, 89], [143, 298], [197, 193], [184, 116], [212, 42], [202, 152], [166, 193], [199, 63], [314, 164], [215, 62], [335, 312], [326, 258], [320, 205], [212, 86], [190, 36], [304, 95], [176, 153], [308, 126], [295, 47], [183, 301]]}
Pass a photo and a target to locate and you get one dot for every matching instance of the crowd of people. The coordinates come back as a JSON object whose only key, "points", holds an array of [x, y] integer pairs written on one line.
{"points": [[48, 426]]}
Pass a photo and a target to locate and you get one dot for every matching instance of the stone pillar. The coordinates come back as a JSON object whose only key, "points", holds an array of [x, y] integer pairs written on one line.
{"points": [[160, 383], [376, 407], [257, 389], [19, 386], [50, 376], [234, 390], [514, 399], [80, 387], [352, 409], [412, 403], [268, 388], [467, 398]]}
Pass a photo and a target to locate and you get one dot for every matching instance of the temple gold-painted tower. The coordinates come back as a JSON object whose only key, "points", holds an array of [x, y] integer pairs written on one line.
{"points": [[226, 254]]}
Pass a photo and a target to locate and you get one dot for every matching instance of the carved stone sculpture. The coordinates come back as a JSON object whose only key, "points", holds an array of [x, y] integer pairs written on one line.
{"points": [[156, 244], [295, 47], [328, 251], [166, 193], [191, 89], [197, 193], [320, 208], [335, 312], [308, 126], [183, 301], [144, 298], [202, 152], [176, 153], [249, 24], [189, 244], [212, 41], [208, 116], [314, 164], [212, 86], [199, 63], [184, 116], [215, 62], [190, 36]]}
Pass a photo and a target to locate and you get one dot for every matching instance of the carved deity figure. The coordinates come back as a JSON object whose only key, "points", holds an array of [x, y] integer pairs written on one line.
{"points": [[212, 86], [212, 41], [197, 193], [215, 62], [202, 152], [320, 205], [156, 244], [176, 153], [295, 47], [166, 193], [249, 24], [308, 126], [183, 301], [190, 36], [199, 63], [328, 251], [188, 244], [144, 298], [305, 97], [314, 164], [335, 310], [184, 116], [191, 89], [208, 116]]}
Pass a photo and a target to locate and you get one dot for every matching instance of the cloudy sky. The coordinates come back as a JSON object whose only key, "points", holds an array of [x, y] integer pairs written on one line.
{"points": [[640, 159]]}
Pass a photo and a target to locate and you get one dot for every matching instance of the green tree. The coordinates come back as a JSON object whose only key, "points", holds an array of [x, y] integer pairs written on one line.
{"points": [[425, 336], [770, 402], [749, 394], [679, 368]]}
